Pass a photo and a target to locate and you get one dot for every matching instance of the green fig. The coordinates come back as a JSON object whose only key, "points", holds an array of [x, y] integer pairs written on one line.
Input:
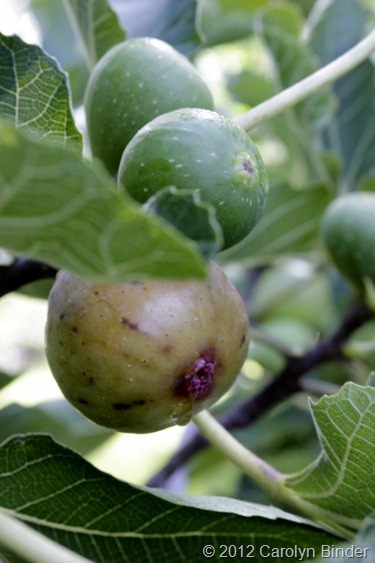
{"points": [[131, 84], [348, 232], [140, 357], [200, 150]]}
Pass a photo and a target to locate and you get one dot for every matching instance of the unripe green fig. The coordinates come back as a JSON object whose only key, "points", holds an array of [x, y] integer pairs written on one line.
{"points": [[348, 232], [143, 356], [200, 150], [131, 84]]}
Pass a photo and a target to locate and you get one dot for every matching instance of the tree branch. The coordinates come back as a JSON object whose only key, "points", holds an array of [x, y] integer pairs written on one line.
{"points": [[283, 385], [21, 272]]}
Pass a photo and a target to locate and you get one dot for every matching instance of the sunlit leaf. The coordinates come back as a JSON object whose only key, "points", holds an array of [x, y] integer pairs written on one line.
{"points": [[59, 209], [34, 93]]}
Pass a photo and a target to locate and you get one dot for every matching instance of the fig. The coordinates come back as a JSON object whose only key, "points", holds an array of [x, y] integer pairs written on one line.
{"points": [[348, 232], [199, 149], [142, 356], [134, 82]]}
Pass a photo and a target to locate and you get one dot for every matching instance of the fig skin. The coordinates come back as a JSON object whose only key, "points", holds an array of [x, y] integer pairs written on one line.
{"points": [[348, 232], [134, 82], [140, 357], [198, 149]]}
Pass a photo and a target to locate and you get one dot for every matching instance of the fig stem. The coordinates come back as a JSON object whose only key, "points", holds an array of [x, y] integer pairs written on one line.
{"points": [[266, 476], [309, 85], [34, 547], [257, 469]]}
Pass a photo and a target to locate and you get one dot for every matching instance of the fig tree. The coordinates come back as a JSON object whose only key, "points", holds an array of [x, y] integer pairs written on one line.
{"points": [[348, 232], [131, 84], [143, 356], [200, 150]]}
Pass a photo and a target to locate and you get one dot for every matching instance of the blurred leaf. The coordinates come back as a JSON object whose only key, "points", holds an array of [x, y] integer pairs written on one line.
{"points": [[294, 289], [289, 225], [351, 134], [222, 21], [88, 511], [171, 21], [290, 333], [298, 127], [5, 379], [304, 5], [59, 40], [97, 26], [250, 88], [340, 481], [34, 93], [63, 422], [185, 210], [61, 210], [361, 345]]}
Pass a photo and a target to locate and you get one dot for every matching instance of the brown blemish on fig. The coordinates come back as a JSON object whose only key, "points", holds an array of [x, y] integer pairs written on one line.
{"points": [[127, 406], [74, 329], [197, 383], [126, 322], [89, 378], [82, 401]]}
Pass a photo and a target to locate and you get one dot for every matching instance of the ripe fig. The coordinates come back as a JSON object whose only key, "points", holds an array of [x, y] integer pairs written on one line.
{"points": [[131, 84], [199, 149], [348, 232], [143, 356]]}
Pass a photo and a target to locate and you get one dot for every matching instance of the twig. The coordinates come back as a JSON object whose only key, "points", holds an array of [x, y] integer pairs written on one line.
{"points": [[282, 386], [309, 85], [21, 272]]}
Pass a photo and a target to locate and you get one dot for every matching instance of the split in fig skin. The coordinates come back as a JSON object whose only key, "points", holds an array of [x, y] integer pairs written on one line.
{"points": [[140, 357]]}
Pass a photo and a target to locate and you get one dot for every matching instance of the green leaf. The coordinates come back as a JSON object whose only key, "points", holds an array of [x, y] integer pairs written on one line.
{"points": [[222, 21], [298, 127], [340, 481], [171, 21], [250, 88], [58, 39], [185, 210], [63, 421], [59, 209], [351, 133], [289, 225], [96, 25], [103, 519], [5, 379], [34, 93]]}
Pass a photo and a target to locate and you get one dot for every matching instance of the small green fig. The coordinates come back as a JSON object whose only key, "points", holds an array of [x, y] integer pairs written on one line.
{"points": [[348, 232], [200, 150], [143, 356], [131, 84]]}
